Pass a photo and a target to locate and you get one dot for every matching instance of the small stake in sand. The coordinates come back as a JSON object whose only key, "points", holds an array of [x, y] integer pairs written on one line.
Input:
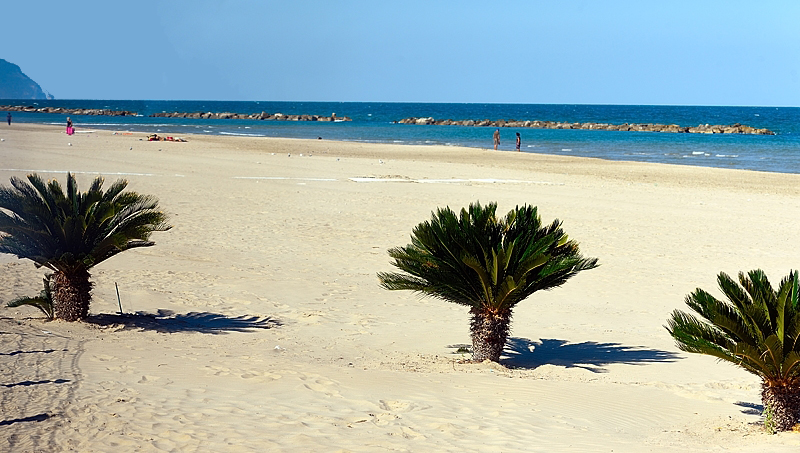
{"points": [[118, 300]]}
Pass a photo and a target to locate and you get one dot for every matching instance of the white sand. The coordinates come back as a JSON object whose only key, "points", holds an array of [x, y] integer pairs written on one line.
{"points": [[287, 248]]}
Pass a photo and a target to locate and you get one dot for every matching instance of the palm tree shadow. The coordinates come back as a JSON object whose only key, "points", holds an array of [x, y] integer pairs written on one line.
{"points": [[35, 418], [750, 408], [589, 355], [167, 321]]}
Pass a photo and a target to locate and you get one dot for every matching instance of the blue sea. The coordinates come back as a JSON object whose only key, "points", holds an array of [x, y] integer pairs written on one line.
{"points": [[374, 122]]}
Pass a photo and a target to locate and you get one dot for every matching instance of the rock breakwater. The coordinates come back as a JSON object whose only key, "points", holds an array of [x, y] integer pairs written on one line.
{"points": [[197, 115], [249, 116], [65, 111], [637, 127]]}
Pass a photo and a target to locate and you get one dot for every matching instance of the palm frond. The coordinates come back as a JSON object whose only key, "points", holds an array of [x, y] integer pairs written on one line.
{"points": [[757, 328], [62, 229], [44, 301], [475, 258]]}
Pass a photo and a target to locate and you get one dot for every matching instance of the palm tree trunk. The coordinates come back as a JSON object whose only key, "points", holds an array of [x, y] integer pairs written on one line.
{"points": [[71, 294], [784, 403], [489, 334]]}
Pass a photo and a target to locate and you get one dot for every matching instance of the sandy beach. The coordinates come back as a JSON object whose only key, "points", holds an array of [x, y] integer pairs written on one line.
{"points": [[262, 327]]}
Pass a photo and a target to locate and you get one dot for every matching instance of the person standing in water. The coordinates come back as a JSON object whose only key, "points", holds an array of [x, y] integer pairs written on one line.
{"points": [[519, 141], [496, 138]]}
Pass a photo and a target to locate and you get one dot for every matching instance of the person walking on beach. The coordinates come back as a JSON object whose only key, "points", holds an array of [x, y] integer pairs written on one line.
{"points": [[519, 141], [496, 138], [8, 117], [70, 130]]}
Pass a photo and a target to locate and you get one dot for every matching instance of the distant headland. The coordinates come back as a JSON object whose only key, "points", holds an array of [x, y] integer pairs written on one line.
{"points": [[640, 127], [14, 84]]}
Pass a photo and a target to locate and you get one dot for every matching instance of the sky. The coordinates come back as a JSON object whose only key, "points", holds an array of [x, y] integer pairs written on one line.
{"points": [[699, 52]]}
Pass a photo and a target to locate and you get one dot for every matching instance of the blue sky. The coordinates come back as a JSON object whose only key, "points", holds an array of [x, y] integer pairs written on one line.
{"points": [[701, 52]]}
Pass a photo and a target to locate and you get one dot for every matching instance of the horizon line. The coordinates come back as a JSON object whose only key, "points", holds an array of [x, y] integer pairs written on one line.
{"points": [[35, 101]]}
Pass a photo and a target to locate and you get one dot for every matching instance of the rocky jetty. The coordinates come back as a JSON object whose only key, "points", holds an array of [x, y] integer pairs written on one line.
{"points": [[249, 116], [641, 127], [32, 109], [198, 115]]}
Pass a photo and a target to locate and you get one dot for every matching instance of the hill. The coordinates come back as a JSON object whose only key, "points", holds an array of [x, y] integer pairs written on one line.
{"points": [[16, 85]]}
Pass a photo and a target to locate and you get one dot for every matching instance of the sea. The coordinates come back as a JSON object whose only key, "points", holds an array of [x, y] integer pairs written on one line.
{"points": [[375, 122]]}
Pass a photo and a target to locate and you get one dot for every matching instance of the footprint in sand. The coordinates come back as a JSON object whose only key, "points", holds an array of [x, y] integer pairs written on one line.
{"points": [[148, 379], [321, 385], [103, 358], [409, 433], [217, 370], [260, 376], [400, 406], [448, 428], [383, 419], [123, 369]]}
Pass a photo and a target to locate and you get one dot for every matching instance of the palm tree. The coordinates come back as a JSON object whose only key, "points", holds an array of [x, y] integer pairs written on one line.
{"points": [[487, 264], [71, 232], [758, 329]]}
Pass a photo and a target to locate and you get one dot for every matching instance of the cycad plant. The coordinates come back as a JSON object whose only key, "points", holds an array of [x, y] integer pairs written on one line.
{"points": [[756, 328], [70, 232], [487, 263]]}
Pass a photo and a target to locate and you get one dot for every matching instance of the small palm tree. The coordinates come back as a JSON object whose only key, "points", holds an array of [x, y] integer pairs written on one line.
{"points": [[758, 329], [487, 264], [71, 232]]}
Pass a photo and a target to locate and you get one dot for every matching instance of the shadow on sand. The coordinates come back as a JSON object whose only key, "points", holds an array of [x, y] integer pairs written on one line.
{"points": [[33, 418], [44, 351], [750, 408], [167, 321], [589, 355], [29, 383]]}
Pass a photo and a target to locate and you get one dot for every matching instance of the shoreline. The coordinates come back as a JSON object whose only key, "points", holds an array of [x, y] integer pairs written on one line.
{"points": [[625, 170], [278, 229], [777, 153]]}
